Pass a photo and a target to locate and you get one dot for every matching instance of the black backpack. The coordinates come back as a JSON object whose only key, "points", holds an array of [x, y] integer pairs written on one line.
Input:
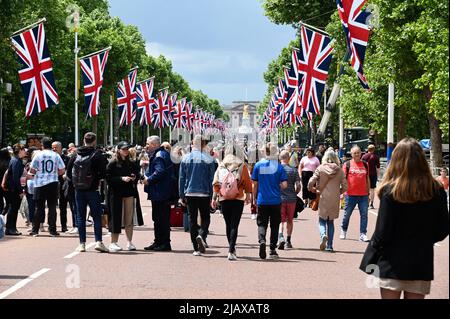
{"points": [[82, 176]]}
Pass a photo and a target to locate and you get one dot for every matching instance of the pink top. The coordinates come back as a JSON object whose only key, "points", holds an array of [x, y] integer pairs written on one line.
{"points": [[309, 164]]}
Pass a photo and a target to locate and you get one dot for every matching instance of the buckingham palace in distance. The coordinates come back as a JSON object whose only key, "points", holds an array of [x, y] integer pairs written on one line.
{"points": [[236, 112]]}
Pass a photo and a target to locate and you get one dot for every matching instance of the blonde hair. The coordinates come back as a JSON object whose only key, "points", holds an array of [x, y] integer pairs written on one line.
{"points": [[409, 175], [284, 155], [330, 157]]}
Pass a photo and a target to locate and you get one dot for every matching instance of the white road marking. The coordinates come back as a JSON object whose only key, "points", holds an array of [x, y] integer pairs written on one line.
{"points": [[73, 254], [23, 282]]}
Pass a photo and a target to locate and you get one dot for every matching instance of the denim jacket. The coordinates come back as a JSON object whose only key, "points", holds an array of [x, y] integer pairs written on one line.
{"points": [[160, 176], [196, 173]]}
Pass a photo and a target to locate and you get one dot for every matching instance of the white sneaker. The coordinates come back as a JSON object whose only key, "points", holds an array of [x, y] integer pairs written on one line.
{"points": [[232, 256], [253, 217], [201, 244], [113, 247], [81, 248], [99, 246], [73, 231], [131, 247], [197, 253], [343, 234], [364, 238]]}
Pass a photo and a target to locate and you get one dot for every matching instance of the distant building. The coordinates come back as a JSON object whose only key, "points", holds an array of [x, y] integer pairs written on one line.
{"points": [[236, 111]]}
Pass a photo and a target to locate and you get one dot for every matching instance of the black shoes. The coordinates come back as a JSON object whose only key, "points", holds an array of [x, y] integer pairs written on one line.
{"points": [[54, 234], [162, 248], [262, 251], [151, 247], [14, 232], [155, 247]]}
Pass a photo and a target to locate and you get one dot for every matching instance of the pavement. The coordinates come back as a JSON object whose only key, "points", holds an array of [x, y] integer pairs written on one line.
{"points": [[47, 267]]}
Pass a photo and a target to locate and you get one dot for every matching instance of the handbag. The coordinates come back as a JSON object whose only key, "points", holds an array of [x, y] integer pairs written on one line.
{"points": [[316, 201], [299, 206]]}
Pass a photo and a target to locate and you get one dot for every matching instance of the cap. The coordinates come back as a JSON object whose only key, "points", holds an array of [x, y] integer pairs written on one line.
{"points": [[122, 145]]}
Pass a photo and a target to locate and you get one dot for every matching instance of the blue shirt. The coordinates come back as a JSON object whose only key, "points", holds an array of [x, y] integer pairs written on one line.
{"points": [[269, 175]]}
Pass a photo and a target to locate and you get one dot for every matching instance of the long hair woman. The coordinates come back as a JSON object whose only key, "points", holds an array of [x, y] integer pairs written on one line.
{"points": [[412, 217]]}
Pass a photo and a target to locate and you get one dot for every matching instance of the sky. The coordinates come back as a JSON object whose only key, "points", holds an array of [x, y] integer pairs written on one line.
{"points": [[221, 47]]}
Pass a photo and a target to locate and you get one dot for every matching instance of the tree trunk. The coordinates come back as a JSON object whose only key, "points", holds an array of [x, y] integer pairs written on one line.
{"points": [[436, 141], [435, 135]]}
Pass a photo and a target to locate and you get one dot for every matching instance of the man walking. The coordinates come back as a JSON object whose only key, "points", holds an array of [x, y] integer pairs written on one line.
{"points": [[158, 182], [374, 167], [46, 167], [269, 178], [357, 174], [196, 176], [85, 170]]}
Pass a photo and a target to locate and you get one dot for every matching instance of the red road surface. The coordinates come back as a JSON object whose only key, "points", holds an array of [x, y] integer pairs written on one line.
{"points": [[301, 273]]}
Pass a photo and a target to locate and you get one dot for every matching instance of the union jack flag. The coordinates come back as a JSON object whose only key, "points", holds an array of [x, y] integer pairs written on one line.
{"points": [[93, 68], [291, 78], [161, 110], [126, 98], [179, 116], [354, 22], [172, 104], [189, 114], [313, 63], [145, 101], [36, 73]]}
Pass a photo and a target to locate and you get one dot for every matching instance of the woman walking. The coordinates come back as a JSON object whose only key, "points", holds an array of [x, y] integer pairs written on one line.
{"points": [[231, 171], [122, 175], [329, 181], [412, 217], [307, 167]]}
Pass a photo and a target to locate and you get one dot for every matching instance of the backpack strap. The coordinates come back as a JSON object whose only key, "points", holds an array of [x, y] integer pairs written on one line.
{"points": [[347, 166]]}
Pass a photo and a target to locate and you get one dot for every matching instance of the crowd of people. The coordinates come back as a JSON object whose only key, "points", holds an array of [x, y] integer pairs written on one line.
{"points": [[413, 212]]}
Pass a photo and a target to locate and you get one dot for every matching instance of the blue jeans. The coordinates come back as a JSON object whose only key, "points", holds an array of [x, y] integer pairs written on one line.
{"points": [[31, 207], [363, 206], [91, 198], [327, 227]]}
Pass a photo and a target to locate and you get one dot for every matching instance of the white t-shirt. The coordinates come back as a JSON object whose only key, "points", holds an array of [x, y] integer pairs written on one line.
{"points": [[46, 163]]}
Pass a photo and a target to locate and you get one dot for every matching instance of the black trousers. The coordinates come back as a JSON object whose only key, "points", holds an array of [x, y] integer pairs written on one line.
{"points": [[268, 213], [161, 222], [306, 175], [4, 205], [62, 203], [196, 204], [47, 193], [11, 217], [232, 212]]}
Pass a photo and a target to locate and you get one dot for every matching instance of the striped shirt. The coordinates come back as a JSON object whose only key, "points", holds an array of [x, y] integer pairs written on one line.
{"points": [[46, 163], [288, 194]]}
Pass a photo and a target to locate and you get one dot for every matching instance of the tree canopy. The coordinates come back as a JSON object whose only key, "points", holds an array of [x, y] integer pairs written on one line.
{"points": [[97, 31], [408, 47]]}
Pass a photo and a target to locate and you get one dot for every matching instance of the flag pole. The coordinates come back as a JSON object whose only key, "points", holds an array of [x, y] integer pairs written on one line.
{"points": [[160, 138], [314, 28], [111, 134], [76, 18], [131, 134], [97, 52], [29, 27]]}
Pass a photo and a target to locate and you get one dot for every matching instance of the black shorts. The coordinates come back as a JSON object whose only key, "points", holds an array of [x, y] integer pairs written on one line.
{"points": [[373, 181]]}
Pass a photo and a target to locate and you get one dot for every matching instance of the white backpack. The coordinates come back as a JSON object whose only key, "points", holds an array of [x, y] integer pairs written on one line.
{"points": [[229, 188]]}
